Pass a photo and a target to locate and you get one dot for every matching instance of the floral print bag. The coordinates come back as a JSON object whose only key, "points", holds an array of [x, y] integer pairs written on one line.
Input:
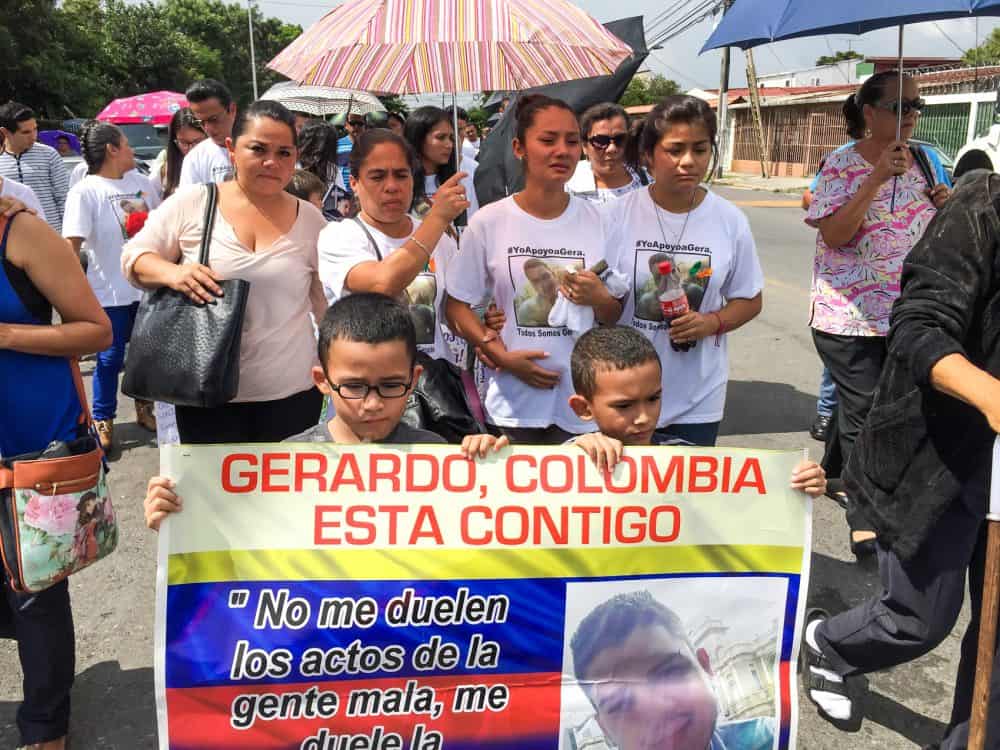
{"points": [[55, 508]]}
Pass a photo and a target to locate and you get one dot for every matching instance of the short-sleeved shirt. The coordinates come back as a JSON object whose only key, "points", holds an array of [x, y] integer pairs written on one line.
{"points": [[278, 346], [206, 162], [855, 285], [106, 213], [519, 260], [583, 185], [714, 251], [344, 244], [42, 169], [23, 193], [402, 434]]}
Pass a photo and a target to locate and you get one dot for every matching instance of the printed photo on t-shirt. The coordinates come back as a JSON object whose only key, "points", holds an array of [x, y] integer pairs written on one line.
{"points": [[536, 280], [693, 269], [419, 298], [131, 210]]}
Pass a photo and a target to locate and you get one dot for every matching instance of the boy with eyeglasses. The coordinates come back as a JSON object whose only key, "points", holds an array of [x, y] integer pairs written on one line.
{"points": [[367, 352]]}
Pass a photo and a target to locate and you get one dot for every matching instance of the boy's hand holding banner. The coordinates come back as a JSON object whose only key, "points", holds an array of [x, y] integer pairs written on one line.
{"points": [[325, 597]]}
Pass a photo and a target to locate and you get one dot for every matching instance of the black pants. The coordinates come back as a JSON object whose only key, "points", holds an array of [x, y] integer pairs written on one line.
{"points": [[42, 624], [551, 435], [250, 421], [855, 364], [920, 602]]}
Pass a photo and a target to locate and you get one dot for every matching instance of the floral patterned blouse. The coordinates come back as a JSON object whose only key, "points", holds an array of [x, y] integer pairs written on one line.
{"points": [[854, 285]]}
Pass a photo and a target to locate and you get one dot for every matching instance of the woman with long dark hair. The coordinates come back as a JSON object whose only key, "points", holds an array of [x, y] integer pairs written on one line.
{"points": [[522, 251], [183, 134], [872, 203], [431, 135], [676, 233], [103, 211], [318, 156]]}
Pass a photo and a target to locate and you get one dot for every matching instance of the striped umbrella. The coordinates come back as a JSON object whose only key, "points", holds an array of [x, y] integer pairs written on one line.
{"points": [[323, 101], [427, 46]]}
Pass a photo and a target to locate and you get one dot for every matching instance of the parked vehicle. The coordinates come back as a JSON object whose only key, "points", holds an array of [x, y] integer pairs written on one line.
{"points": [[982, 152]]}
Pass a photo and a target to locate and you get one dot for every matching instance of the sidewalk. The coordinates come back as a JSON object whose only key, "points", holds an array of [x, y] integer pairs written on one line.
{"points": [[755, 182]]}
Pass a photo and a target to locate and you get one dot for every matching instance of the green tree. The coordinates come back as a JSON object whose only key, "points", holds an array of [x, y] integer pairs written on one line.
{"points": [[987, 53], [394, 103], [836, 57], [648, 90]]}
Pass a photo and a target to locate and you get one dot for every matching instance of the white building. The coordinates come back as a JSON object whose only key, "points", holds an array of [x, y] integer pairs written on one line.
{"points": [[844, 72]]}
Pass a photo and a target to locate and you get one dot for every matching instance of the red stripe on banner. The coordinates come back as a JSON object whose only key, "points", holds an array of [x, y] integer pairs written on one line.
{"points": [[784, 678], [200, 717]]}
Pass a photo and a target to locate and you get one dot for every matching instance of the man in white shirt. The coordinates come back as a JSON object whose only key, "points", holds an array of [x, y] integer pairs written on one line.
{"points": [[213, 106], [470, 147], [468, 164]]}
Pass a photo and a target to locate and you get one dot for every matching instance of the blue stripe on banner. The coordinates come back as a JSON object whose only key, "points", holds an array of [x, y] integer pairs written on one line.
{"points": [[206, 621]]}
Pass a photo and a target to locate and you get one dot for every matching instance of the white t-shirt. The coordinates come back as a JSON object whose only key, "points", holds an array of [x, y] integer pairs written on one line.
{"points": [[583, 185], [718, 237], [206, 162], [13, 189], [468, 166], [343, 245], [80, 171], [98, 209], [518, 259]]}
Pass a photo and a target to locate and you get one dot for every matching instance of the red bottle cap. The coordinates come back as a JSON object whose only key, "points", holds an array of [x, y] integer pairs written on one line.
{"points": [[665, 267]]}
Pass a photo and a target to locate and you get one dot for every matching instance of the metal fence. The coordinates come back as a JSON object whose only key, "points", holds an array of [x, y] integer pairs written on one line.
{"points": [[945, 125], [792, 135]]}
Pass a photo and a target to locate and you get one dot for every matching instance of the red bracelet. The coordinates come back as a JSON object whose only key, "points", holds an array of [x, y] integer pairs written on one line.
{"points": [[722, 328]]}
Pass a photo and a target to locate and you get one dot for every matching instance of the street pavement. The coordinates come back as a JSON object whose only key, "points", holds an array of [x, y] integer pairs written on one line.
{"points": [[772, 398]]}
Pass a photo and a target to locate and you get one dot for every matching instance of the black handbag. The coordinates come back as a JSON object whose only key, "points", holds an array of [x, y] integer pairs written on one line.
{"points": [[186, 353], [441, 403]]}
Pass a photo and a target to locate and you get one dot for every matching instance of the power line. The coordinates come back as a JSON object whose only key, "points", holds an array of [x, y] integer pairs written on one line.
{"points": [[677, 28], [697, 83], [945, 35], [663, 20]]}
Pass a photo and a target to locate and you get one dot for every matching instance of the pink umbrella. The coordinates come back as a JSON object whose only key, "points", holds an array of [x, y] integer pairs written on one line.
{"points": [[426, 46], [155, 107]]}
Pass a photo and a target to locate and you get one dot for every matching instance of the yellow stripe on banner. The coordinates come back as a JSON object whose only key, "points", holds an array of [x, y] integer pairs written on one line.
{"points": [[449, 564]]}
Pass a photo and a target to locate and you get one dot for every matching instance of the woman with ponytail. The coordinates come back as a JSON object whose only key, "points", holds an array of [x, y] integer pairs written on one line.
{"points": [[872, 203], [103, 211]]}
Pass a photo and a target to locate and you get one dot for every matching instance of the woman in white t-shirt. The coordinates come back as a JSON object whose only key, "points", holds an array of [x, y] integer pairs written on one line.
{"points": [[106, 208], [524, 250], [384, 249], [677, 233], [21, 192], [431, 135], [605, 175]]}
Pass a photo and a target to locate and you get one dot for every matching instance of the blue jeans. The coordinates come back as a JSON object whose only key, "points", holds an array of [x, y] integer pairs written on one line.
{"points": [[704, 434], [827, 401], [111, 360]]}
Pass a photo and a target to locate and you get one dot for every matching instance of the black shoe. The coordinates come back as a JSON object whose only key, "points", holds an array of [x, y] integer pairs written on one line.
{"points": [[821, 427]]}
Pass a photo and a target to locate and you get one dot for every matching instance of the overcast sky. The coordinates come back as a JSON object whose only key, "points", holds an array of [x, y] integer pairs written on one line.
{"points": [[679, 58]]}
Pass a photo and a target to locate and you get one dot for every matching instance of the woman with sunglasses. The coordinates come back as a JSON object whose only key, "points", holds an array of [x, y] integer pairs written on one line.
{"points": [[606, 174], [871, 205]]}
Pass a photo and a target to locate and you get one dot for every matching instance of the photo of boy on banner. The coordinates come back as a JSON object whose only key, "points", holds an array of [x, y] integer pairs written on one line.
{"points": [[654, 679]]}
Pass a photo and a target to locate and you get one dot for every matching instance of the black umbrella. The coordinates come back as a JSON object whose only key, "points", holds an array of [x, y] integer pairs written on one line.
{"points": [[499, 173]]}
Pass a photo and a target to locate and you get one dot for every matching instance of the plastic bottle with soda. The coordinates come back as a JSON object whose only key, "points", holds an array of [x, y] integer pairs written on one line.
{"points": [[673, 300]]}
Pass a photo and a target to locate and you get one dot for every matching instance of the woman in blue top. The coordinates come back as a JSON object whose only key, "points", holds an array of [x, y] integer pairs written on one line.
{"points": [[39, 404]]}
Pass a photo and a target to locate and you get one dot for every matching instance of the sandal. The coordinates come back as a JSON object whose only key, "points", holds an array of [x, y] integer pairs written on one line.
{"points": [[814, 668]]}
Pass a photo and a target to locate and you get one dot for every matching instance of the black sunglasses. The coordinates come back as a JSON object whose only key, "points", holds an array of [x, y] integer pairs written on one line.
{"points": [[906, 105], [603, 141]]}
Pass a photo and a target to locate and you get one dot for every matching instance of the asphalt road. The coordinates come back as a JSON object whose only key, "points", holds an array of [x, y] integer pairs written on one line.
{"points": [[772, 396]]}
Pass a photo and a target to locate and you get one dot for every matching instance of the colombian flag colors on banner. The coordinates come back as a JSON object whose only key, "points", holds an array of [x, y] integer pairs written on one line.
{"points": [[325, 597]]}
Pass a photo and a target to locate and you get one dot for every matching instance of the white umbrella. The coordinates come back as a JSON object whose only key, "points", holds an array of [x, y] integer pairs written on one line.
{"points": [[323, 101]]}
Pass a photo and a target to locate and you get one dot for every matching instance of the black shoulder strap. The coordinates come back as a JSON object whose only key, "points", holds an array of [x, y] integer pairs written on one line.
{"points": [[371, 240], [209, 222], [920, 157]]}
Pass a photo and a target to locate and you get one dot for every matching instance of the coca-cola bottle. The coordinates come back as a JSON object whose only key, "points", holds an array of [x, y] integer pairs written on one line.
{"points": [[673, 300]]}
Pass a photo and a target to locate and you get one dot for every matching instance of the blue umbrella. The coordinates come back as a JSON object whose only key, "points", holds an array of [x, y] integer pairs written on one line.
{"points": [[749, 23]]}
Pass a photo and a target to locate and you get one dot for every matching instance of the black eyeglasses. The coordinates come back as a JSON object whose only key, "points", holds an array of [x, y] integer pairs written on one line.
{"points": [[603, 141], [906, 105], [357, 123], [361, 390]]}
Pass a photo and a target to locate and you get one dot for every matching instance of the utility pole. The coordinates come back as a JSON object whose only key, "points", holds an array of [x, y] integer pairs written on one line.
{"points": [[724, 100], [253, 59]]}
